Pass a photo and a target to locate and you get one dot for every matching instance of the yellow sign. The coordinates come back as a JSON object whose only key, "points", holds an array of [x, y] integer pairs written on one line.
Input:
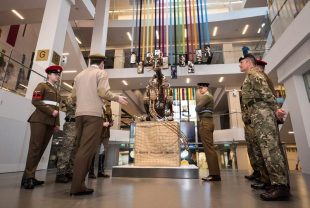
{"points": [[42, 55]]}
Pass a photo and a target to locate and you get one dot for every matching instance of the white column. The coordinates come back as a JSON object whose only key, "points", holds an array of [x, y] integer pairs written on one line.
{"points": [[228, 54], [235, 117], [299, 109], [119, 59], [99, 38], [51, 39]]}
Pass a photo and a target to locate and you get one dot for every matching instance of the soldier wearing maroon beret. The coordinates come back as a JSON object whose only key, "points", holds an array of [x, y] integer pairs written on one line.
{"points": [[43, 122]]}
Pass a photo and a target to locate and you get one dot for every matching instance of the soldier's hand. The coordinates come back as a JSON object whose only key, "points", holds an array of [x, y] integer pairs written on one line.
{"points": [[280, 113], [106, 124], [122, 100], [55, 113]]}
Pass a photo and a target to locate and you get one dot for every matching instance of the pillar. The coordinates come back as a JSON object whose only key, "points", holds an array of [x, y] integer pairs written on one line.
{"points": [[119, 59], [51, 40], [228, 54], [99, 37], [235, 117]]}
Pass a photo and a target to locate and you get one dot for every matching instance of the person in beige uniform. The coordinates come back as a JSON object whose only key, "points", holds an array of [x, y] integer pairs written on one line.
{"points": [[204, 109], [43, 122], [91, 89]]}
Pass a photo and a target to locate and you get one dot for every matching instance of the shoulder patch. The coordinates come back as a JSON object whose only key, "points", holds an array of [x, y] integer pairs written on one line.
{"points": [[37, 95]]}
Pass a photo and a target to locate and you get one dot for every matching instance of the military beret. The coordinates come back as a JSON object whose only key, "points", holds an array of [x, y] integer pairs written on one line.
{"points": [[203, 84], [261, 62], [97, 56], [248, 56], [53, 69]]}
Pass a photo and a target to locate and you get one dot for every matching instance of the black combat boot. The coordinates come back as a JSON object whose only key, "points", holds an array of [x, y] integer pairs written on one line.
{"points": [[276, 193], [62, 179], [34, 181], [91, 173], [101, 173], [253, 176]]}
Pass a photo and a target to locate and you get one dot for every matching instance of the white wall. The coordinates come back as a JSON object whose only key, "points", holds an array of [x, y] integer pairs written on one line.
{"points": [[15, 132], [290, 58]]}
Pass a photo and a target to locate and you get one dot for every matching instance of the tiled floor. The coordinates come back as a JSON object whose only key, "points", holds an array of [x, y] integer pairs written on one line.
{"points": [[233, 192]]}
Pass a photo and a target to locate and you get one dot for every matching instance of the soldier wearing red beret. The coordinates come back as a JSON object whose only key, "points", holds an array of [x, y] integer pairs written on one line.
{"points": [[43, 122]]}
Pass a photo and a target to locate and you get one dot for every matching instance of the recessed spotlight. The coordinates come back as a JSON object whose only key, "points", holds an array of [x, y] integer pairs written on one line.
{"points": [[157, 35], [69, 71], [70, 86], [188, 80], [245, 29], [17, 14], [129, 36], [259, 29], [124, 82], [214, 31], [263, 24], [291, 132], [221, 79], [78, 40], [66, 54]]}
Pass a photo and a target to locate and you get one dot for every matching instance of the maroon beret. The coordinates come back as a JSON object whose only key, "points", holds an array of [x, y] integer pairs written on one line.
{"points": [[53, 69], [261, 62]]}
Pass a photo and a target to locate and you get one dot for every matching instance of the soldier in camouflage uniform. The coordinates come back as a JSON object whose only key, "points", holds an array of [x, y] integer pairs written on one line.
{"points": [[261, 103], [67, 151]]}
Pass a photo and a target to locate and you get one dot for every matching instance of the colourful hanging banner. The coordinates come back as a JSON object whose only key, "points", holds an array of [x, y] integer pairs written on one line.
{"points": [[195, 28], [186, 33], [148, 27], [144, 28], [175, 34], [140, 16], [163, 27], [198, 17], [183, 28], [132, 26], [202, 25], [191, 54], [207, 23], [152, 28]]}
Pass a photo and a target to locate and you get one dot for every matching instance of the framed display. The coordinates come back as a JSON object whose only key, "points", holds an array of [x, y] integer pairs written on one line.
{"points": [[182, 60], [198, 56], [140, 69], [165, 62], [191, 68]]}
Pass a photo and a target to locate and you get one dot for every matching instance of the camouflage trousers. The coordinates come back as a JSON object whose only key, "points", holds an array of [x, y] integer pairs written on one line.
{"points": [[267, 135], [67, 152]]}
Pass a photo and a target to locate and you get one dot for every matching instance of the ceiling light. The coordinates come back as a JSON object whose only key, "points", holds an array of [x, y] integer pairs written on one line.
{"points": [[188, 80], [185, 33], [23, 86], [70, 86], [259, 29], [157, 35], [69, 71], [17, 14], [221, 79], [78, 40], [214, 31], [263, 24], [124, 82], [66, 54], [245, 29], [291, 132], [129, 36]]}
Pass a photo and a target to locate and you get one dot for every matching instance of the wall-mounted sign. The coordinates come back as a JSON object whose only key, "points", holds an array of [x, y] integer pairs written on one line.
{"points": [[56, 58], [42, 55]]}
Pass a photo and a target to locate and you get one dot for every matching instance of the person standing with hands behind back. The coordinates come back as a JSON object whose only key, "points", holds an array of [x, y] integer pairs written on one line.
{"points": [[91, 89], [204, 109], [43, 122]]}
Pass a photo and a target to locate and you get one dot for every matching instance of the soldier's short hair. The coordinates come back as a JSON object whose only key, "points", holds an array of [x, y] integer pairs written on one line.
{"points": [[249, 57]]}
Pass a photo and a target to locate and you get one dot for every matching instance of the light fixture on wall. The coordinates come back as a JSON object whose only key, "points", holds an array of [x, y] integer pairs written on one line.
{"points": [[69, 71], [290, 132], [259, 29], [66, 54], [263, 24], [157, 35], [221, 79], [188, 80], [70, 86]]}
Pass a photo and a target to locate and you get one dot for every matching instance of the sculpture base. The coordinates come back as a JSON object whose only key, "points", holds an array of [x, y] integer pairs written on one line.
{"points": [[185, 172]]}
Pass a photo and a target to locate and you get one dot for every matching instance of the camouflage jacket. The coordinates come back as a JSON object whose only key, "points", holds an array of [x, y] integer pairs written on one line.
{"points": [[255, 88]]}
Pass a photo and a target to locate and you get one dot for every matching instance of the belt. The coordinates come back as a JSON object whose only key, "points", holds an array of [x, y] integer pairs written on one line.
{"points": [[253, 101], [206, 111], [70, 119], [49, 102]]}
